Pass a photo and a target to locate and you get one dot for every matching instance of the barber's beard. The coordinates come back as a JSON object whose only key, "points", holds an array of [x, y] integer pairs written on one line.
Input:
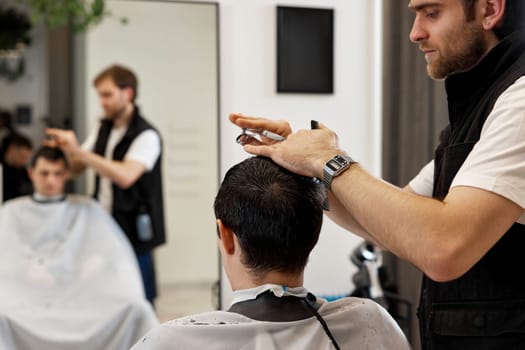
{"points": [[115, 113], [465, 47]]}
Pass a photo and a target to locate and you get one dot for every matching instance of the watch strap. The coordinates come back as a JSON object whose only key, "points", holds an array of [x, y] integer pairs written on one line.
{"points": [[329, 173]]}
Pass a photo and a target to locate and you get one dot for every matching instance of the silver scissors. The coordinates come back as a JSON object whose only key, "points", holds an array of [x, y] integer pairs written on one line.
{"points": [[254, 133]]}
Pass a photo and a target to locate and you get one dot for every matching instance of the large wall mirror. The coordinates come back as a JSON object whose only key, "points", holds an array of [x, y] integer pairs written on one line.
{"points": [[173, 48]]}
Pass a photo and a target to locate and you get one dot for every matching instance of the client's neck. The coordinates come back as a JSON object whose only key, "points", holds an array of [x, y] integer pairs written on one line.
{"points": [[252, 280], [44, 198]]}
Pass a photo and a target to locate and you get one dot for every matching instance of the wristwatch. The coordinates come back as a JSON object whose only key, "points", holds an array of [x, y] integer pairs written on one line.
{"points": [[334, 167]]}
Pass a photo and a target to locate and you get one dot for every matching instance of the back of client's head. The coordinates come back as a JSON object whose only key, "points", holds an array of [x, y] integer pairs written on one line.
{"points": [[275, 214], [51, 154]]}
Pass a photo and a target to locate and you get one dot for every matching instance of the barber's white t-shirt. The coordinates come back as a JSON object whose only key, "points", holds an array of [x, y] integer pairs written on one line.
{"points": [[144, 149], [497, 161]]}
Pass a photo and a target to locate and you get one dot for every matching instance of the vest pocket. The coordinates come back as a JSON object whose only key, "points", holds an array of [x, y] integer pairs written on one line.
{"points": [[477, 325]]}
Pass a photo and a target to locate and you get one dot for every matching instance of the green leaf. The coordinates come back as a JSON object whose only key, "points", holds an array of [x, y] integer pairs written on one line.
{"points": [[97, 8], [81, 13]]}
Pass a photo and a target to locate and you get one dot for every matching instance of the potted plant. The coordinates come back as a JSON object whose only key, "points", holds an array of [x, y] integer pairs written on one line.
{"points": [[15, 26], [79, 13], [14, 38]]}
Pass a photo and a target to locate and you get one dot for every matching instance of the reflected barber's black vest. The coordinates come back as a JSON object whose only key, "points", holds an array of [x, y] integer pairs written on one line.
{"points": [[145, 195], [484, 308]]}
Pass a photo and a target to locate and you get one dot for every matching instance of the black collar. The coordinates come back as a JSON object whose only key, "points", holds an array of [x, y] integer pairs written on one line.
{"points": [[268, 307]]}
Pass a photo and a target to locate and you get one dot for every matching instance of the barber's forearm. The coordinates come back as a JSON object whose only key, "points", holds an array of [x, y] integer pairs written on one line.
{"points": [[443, 238], [76, 166], [346, 220], [410, 226], [115, 171]]}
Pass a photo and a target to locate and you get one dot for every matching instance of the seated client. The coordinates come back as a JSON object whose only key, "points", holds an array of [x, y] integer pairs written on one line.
{"points": [[268, 221], [68, 276]]}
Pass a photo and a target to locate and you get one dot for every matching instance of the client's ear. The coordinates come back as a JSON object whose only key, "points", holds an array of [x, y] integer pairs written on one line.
{"points": [[30, 173], [226, 238]]}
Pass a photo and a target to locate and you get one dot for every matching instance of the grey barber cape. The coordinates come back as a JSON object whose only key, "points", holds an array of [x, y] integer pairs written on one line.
{"points": [[68, 278], [355, 324]]}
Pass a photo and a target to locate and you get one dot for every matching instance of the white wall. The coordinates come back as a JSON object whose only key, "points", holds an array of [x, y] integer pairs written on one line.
{"points": [[248, 85]]}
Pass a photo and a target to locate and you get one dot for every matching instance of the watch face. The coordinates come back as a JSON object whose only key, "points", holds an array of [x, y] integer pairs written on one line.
{"points": [[342, 161], [333, 165], [337, 164]]}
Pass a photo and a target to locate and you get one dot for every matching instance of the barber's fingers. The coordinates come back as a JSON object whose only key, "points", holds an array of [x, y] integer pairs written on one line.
{"points": [[334, 135], [65, 139], [259, 150], [54, 132], [245, 121], [61, 134], [54, 136], [50, 143], [280, 127]]}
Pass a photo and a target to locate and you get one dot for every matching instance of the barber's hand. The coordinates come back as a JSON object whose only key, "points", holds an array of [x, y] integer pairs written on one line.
{"points": [[66, 140], [279, 127], [304, 152]]}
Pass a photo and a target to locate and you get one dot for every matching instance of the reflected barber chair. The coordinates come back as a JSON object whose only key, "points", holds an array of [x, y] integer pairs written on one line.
{"points": [[372, 281]]}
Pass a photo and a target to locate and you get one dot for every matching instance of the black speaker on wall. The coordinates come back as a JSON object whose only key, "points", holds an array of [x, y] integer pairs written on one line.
{"points": [[305, 50]]}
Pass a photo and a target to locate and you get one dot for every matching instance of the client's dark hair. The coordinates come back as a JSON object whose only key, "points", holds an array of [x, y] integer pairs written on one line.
{"points": [[275, 214], [52, 154]]}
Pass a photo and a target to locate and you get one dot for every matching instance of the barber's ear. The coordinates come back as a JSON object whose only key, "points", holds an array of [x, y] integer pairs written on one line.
{"points": [[493, 11], [226, 238], [129, 92]]}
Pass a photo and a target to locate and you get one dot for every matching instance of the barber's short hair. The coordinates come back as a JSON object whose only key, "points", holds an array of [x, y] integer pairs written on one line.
{"points": [[51, 154], [513, 19], [275, 214], [122, 76]]}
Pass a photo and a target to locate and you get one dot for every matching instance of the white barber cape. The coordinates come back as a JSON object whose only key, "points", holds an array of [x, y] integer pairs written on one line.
{"points": [[68, 279], [356, 324]]}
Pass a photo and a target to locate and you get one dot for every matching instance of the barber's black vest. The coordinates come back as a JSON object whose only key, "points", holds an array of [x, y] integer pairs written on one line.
{"points": [[145, 195], [484, 308]]}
